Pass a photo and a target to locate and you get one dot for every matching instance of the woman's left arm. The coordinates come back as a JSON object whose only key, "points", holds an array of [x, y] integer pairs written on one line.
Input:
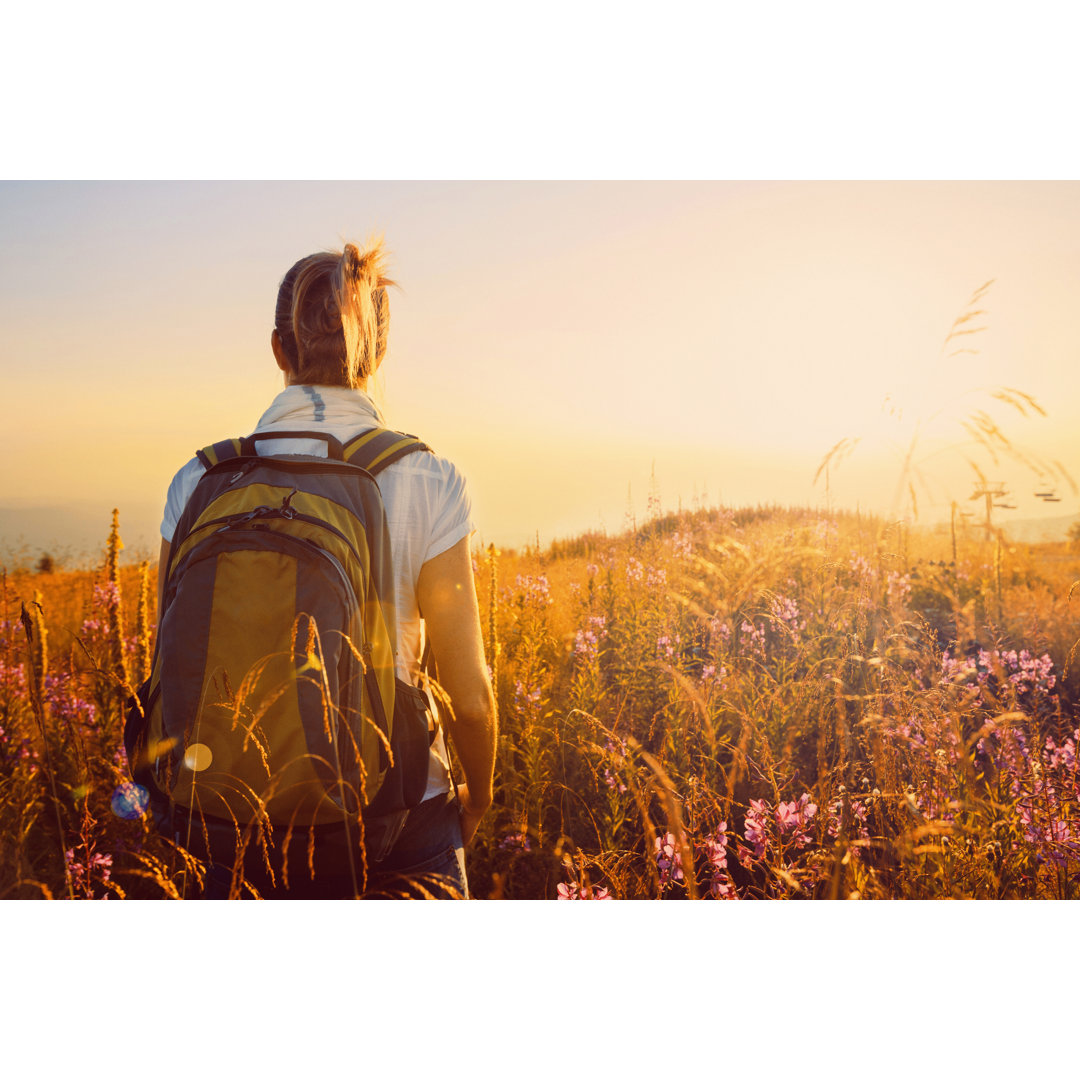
{"points": [[447, 598]]}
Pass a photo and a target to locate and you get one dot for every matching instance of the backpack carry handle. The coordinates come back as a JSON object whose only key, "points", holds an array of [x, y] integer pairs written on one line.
{"points": [[334, 446]]}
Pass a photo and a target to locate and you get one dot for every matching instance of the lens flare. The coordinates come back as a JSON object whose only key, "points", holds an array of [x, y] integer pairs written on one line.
{"points": [[130, 801]]}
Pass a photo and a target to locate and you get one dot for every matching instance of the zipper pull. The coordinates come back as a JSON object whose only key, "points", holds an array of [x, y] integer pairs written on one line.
{"points": [[242, 471], [286, 505]]}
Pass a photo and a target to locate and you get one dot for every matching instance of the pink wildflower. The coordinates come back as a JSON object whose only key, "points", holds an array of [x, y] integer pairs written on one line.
{"points": [[755, 826], [668, 859]]}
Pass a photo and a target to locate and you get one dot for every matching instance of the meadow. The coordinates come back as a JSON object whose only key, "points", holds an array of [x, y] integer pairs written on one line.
{"points": [[715, 704]]}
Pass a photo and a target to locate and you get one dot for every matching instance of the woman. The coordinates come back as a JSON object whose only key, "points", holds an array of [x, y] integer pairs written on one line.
{"points": [[329, 338]]}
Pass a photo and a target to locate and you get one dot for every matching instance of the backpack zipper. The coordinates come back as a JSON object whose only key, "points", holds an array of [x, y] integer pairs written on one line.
{"points": [[377, 705], [295, 462], [232, 521]]}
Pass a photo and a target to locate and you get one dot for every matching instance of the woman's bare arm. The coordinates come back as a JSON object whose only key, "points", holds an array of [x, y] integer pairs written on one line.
{"points": [[447, 598], [162, 563]]}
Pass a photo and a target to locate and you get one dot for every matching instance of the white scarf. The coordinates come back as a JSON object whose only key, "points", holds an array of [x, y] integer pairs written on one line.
{"points": [[339, 407]]}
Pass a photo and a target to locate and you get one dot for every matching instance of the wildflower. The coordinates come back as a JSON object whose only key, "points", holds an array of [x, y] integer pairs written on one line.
{"points": [[586, 646], [613, 781], [1062, 756], [786, 816], [95, 862], [535, 591], [572, 891], [667, 647], [14, 678], [65, 703], [755, 826], [526, 698], [861, 567], [668, 859], [786, 612], [616, 747], [656, 578], [516, 841], [714, 848], [1032, 678], [587, 640], [857, 829], [682, 545], [711, 678], [898, 587], [825, 531], [753, 637], [106, 595]]}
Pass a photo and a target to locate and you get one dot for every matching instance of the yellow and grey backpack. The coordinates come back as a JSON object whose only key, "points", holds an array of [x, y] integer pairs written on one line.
{"points": [[272, 697]]}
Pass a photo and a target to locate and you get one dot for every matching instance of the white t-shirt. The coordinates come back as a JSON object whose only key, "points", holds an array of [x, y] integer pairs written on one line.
{"points": [[427, 508]]}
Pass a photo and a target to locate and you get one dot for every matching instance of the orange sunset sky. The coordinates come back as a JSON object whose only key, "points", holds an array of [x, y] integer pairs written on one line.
{"points": [[560, 340]]}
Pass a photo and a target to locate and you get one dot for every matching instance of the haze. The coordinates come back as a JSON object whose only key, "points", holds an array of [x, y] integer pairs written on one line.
{"points": [[573, 346]]}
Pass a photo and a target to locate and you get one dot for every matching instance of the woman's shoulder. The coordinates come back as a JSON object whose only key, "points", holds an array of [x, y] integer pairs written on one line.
{"points": [[428, 462], [181, 487], [430, 484]]}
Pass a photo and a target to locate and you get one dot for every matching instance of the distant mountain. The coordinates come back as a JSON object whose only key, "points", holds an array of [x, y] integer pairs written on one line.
{"points": [[75, 532]]}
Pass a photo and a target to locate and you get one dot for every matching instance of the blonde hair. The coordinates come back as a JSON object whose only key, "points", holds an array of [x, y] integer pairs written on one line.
{"points": [[333, 315]]}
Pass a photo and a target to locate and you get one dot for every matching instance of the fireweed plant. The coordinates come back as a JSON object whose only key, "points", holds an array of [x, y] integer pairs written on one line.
{"points": [[776, 703], [762, 703]]}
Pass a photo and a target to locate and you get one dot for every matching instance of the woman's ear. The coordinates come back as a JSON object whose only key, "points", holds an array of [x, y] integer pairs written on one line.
{"points": [[279, 352]]}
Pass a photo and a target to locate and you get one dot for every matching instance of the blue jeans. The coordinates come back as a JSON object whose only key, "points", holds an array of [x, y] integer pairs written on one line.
{"points": [[427, 862], [428, 857]]}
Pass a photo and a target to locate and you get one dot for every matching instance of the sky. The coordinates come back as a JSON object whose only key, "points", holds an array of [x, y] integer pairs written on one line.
{"points": [[573, 346]]}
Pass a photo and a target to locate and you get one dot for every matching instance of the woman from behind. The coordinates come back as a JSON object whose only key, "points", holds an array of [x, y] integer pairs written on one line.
{"points": [[329, 338]]}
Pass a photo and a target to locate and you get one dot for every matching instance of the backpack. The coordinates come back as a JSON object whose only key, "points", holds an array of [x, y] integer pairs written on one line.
{"points": [[272, 699]]}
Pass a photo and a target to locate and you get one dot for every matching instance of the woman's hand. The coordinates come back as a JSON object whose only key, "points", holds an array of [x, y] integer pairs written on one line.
{"points": [[471, 813]]}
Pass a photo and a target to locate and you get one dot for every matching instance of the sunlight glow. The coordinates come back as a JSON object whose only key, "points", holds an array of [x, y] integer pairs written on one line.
{"points": [[561, 341]]}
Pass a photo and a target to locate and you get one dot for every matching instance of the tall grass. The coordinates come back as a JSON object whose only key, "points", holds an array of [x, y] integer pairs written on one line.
{"points": [[721, 704], [771, 703]]}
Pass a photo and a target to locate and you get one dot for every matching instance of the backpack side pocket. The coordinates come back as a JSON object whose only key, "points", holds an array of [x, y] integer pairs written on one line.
{"points": [[410, 744]]}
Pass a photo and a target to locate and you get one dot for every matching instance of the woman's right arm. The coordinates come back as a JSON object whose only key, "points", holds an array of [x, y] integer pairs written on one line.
{"points": [[447, 598], [163, 561]]}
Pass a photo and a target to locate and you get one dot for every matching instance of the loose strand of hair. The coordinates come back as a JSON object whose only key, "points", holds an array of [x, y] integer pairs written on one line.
{"points": [[359, 287]]}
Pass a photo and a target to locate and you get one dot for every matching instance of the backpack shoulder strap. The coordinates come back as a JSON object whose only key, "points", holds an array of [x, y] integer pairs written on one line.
{"points": [[375, 449], [220, 451]]}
